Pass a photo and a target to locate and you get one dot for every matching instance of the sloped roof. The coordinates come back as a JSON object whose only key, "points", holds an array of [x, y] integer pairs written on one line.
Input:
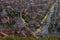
{"points": [[3, 13], [20, 22]]}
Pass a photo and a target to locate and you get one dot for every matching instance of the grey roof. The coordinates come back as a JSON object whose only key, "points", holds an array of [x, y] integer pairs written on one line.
{"points": [[20, 22], [3, 13]]}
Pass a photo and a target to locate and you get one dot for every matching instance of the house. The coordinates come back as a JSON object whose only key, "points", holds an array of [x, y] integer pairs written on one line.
{"points": [[20, 23], [4, 17]]}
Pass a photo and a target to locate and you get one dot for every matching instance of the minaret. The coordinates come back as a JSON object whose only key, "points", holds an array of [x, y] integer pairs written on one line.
{"points": [[21, 10]]}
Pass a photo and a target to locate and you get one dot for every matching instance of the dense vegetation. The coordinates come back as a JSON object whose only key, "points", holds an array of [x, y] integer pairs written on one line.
{"points": [[30, 38]]}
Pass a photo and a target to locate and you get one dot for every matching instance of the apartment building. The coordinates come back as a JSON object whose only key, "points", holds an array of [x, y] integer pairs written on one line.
{"points": [[58, 18]]}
